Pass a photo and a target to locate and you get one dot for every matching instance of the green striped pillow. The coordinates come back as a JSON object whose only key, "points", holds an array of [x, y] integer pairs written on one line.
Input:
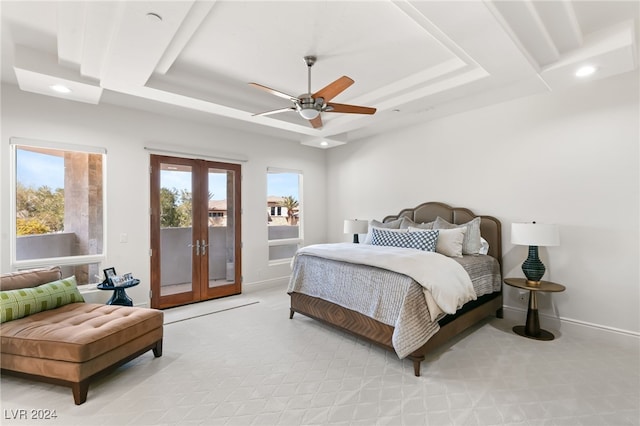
{"points": [[22, 302]]}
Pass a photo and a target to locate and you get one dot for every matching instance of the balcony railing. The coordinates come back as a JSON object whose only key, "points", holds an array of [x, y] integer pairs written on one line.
{"points": [[175, 255]]}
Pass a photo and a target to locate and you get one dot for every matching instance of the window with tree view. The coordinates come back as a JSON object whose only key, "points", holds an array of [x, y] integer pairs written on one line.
{"points": [[59, 209], [284, 213]]}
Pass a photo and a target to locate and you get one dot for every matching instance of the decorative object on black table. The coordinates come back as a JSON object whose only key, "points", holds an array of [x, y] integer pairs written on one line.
{"points": [[109, 273]]}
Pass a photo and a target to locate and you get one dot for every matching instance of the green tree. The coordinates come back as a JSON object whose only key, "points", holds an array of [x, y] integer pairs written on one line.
{"points": [[176, 208], [31, 226], [290, 204], [41, 209], [169, 217], [185, 208]]}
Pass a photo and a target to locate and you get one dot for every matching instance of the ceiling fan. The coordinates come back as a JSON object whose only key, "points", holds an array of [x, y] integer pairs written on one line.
{"points": [[309, 105]]}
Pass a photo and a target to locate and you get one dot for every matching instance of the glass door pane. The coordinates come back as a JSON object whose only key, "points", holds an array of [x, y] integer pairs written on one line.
{"points": [[221, 227], [176, 229]]}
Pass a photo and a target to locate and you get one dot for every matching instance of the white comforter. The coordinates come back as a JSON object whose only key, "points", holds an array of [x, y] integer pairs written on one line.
{"points": [[446, 285]]}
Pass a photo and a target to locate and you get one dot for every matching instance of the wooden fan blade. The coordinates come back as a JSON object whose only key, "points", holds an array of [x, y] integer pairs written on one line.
{"points": [[316, 122], [275, 111], [275, 92], [349, 109], [331, 90]]}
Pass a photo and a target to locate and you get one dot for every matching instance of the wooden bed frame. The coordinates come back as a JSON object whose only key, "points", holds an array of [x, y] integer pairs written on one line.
{"points": [[380, 334]]}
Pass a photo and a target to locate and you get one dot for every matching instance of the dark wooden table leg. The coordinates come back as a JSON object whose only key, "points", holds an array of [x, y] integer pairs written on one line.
{"points": [[532, 329]]}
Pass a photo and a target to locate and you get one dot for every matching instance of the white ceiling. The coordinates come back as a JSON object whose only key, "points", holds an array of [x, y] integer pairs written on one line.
{"points": [[412, 60]]}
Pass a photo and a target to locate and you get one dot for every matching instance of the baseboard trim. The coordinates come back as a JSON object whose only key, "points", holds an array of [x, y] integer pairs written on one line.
{"points": [[572, 322], [264, 284]]}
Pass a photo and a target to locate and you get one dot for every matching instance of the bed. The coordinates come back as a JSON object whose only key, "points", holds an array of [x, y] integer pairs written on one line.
{"points": [[393, 308]]}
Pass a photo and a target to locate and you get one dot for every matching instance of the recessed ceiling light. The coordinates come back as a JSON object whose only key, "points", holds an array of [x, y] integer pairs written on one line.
{"points": [[60, 88], [585, 71], [324, 143]]}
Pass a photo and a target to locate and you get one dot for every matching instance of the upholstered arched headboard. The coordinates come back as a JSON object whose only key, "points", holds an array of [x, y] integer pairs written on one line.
{"points": [[490, 227]]}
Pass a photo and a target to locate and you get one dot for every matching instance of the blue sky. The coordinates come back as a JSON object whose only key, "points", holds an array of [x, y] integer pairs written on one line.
{"points": [[182, 180], [283, 184], [37, 170], [279, 184]]}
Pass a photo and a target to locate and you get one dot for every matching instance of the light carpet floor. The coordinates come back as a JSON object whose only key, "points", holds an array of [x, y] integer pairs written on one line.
{"points": [[251, 364]]}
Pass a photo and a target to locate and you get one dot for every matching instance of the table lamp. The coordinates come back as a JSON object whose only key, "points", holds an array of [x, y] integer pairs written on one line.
{"points": [[355, 227], [534, 235]]}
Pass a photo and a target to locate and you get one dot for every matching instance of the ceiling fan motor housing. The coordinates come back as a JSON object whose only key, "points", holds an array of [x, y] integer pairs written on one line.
{"points": [[309, 108], [310, 60]]}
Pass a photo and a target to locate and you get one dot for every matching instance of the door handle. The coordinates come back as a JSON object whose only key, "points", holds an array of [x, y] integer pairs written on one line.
{"points": [[197, 245], [204, 248]]}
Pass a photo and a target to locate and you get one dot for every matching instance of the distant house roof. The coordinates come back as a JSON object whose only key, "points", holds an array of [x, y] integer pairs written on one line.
{"points": [[218, 205], [274, 200]]}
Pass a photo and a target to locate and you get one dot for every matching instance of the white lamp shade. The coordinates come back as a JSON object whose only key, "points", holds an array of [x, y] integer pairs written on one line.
{"points": [[535, 234], [355, 226]]}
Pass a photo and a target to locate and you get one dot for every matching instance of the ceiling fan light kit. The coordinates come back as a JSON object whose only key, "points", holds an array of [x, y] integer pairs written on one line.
{"points": [[309, 106], [308, 112]]}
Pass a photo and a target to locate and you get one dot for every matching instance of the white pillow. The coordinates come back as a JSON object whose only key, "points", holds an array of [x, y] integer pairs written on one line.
{"points": [[484, 246], [449, 241]]}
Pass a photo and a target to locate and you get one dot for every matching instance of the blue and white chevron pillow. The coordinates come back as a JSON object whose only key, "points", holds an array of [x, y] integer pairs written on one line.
{"points": [[421, 240]]}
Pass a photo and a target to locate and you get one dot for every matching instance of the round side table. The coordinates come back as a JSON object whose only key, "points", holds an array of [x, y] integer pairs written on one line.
{"points": [[119, 296], [532, 329]]}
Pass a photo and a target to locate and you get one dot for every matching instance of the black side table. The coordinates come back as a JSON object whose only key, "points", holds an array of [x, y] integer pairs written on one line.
{"points": [[119, 296], [532, 328]]}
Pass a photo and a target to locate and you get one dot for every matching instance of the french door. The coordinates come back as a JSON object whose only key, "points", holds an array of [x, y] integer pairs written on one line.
{"points": [[195, 230]]}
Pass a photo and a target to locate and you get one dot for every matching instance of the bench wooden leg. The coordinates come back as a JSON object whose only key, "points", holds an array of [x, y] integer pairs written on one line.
{"points": [[80, 390], [291, 312], [157, 349]]}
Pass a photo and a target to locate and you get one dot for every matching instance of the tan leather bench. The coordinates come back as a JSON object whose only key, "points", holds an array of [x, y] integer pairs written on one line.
{"points": [[74, 343]]}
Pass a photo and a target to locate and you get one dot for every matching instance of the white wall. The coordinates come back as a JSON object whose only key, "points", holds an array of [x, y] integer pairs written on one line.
{"points": [[125, 133], [568, 157]]}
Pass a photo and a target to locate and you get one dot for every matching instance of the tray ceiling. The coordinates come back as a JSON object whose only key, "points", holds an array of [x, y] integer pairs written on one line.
{"points": [[412, 60]]}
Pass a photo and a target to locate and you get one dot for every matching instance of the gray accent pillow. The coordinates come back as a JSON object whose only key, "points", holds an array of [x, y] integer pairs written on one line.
{"points": [[408, 223], [394, 224], [449, 240], [471, 243]]}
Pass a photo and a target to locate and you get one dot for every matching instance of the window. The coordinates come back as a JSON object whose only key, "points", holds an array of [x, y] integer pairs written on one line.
{"points": [[58, 204], [276, 210], [284, 213]]}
